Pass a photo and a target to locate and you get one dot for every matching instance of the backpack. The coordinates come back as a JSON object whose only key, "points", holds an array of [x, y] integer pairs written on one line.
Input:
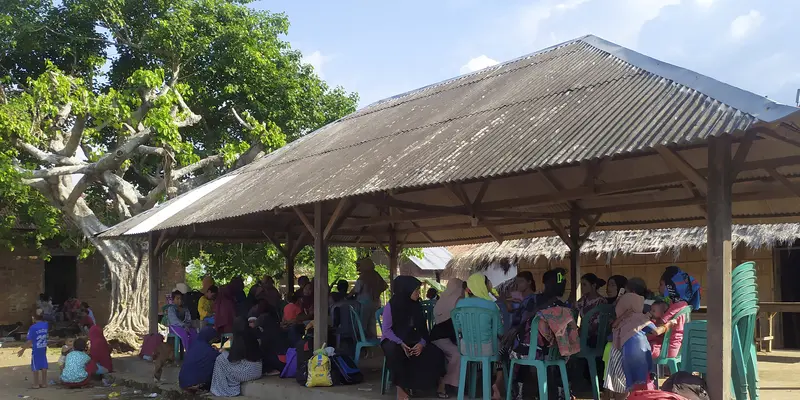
{"points": [[319, 370], [346, 371], [149, 345], [304, 351], [190, 301]]}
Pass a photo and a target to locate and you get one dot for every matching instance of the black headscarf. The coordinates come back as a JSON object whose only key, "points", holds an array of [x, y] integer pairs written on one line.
{"points": [[244, 345], [408, 322]]}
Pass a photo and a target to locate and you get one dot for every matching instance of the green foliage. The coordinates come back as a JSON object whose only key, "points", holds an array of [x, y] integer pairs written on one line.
{"points": [[124, 67]]}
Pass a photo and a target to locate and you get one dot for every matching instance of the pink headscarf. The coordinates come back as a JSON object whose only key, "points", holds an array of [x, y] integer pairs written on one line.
{"points": [[448, 299], [631, 318]]}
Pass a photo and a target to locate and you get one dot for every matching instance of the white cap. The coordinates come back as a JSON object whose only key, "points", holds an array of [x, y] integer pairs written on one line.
{"points": [[181, 287]]}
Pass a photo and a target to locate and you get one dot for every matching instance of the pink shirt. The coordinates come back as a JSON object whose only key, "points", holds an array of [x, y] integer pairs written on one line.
{"points": [[677, 331]]}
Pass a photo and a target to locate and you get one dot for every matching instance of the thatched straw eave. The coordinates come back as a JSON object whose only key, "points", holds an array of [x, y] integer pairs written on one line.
{"points": [[659, 242]]}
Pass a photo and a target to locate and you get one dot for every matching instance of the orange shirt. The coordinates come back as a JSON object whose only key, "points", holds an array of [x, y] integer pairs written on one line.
{"points": [[291, 311]]}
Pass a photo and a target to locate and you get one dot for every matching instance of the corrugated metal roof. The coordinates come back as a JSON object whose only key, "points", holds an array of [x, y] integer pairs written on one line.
{"points": [[433, 259], [581, 100]]}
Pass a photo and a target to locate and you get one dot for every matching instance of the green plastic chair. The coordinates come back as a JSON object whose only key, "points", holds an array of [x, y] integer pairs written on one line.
{"points": [[743, 317], [359, 335], [177, 344], [553, 359], [386, 379], [672, 363], [694, 350], [470, 324], [593, 354]]}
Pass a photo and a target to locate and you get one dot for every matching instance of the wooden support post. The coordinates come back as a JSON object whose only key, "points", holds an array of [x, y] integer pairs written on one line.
{"points": [[154, 265], [719, 268], [393, 258], [320, 279], [290, 254], [574, 257]]}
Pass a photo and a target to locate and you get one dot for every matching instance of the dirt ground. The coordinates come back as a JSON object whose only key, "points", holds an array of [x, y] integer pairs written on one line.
{"points": [[16, 380]]}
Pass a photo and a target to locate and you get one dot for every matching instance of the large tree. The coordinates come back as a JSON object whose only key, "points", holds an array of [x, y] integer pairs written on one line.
{"points": [[108, 107]]}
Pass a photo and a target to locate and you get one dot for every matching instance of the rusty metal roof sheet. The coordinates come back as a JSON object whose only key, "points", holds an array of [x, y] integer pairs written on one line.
{"points": [[580, 100]]}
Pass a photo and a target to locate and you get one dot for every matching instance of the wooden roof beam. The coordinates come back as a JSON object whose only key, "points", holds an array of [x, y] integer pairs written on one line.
{"points": [[304, 219], [678, 163], [784, 181], [458, 191]]}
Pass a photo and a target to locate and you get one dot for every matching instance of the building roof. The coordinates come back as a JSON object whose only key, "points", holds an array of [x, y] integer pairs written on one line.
{"points": [[585, 99], [669, 241], [433, 259]]}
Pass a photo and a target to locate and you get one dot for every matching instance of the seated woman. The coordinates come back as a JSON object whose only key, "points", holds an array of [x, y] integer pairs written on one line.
{"points": [[100, 351], [180, 320], [241, 363], [198, 363], [294, 318], [78, 366], [225, 309], [478, 288], [630, 360], [590, 298], [273, 342], [413, 364], [556, 328], [613, 286], [681, 290], [443, 335], [524, 294]]}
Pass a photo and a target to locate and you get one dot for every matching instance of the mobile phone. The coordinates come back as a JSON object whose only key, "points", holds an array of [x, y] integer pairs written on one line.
{"points": [[621, 292]]}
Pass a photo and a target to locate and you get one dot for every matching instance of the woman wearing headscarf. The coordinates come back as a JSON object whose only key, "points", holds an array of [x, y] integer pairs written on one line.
{"points": [[99, 350], [443, 335], [630, 358], [615, 283], [242, 305], [478, 287], [556, 327], [590, 298], [241, 363], [414, 364], [225, 309], [208, 282], [198, 363], [273, 342], [368, 289], [680, 290]]}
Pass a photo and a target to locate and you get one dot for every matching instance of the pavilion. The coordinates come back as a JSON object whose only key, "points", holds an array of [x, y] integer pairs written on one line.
{"points": [[582, 135]]}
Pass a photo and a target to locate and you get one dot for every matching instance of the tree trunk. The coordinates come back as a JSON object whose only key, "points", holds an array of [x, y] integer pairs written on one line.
{"points": [[129, 275]]}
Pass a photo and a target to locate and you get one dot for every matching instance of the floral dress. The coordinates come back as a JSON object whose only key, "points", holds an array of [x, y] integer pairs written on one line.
{"points": [[228, 376]]}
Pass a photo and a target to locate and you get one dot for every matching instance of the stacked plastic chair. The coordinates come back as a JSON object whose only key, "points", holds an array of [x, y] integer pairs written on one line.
{"points": [[593, 354], [744, 310]]}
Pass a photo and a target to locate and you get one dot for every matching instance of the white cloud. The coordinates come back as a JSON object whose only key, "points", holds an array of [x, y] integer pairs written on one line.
{"points": [[477, 63], [744, 25], [704, 3], [317, 60]]}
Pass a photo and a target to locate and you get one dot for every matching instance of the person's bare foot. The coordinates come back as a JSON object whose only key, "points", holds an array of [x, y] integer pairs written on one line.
{"points": [[43, 386]]}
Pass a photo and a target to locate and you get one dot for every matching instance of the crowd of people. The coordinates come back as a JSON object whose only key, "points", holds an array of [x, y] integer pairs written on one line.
{"points": [[80, 360], [423, 361]]}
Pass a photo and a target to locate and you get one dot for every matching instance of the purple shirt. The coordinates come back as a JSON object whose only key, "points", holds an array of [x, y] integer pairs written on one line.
{"points": [[388, 333]]}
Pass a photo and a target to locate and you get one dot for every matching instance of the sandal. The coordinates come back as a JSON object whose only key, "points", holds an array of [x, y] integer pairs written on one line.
{"points": [[442, 395]]}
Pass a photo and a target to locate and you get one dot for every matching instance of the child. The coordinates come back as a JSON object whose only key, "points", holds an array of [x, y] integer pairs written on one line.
{"points": [[88, 312], [656, 337], [65, 349], [180, 320], [205, 306], [37, 341], [78, 367]]}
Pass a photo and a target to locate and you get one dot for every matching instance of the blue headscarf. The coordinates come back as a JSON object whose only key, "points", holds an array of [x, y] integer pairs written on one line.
{"points": [[681, 286], [198, 364]]}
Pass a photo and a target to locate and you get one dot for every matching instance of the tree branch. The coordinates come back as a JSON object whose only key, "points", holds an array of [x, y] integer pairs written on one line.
{"points": [[57, 171], [255, 151], [210, 160], [47, 157], [151, 150], [75, 136], [123, 189], [240, 120]]}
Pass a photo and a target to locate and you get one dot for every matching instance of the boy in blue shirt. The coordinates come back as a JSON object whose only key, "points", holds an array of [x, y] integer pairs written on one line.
{"points": [[37, 341]]}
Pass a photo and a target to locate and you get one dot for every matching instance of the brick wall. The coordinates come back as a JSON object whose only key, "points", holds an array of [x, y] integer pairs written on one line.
{"points": [[22, 272]]}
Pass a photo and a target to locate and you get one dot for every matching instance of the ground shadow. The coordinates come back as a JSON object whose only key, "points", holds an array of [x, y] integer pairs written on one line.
{"points": [[781, 359]]}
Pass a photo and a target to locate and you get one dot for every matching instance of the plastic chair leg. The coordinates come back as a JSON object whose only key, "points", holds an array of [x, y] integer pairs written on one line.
{"points": [[509, 379], [593, 378], [176, 347], [487, 385], [562, 368], [672, 365], [541, 374], [384, 377], [473, 380], [462, 378], [358, 353], [752, 375]]}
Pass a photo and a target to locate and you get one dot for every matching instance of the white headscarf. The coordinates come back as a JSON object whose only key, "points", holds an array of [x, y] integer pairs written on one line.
{"points": [[448, 299]]}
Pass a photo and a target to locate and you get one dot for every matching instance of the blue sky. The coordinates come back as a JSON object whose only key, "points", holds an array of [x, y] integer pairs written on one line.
{"points": [[383, 48]]}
